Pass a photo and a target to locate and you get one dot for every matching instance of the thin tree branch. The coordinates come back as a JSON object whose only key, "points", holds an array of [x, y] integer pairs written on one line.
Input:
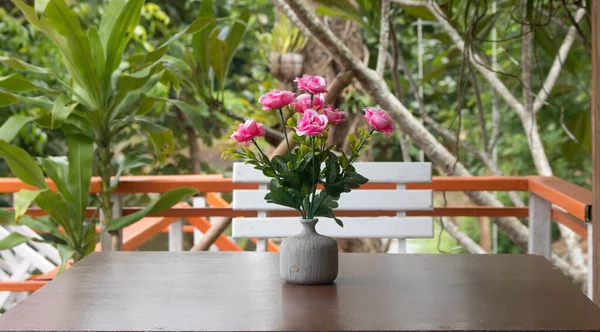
{"points": [[558, 64], [384, 37], [463, 239], [528, 122], [480, 112], [575, 23]]}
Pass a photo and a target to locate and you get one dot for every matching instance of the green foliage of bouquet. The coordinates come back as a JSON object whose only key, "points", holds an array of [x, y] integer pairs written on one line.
{"points": [[314, 162]]}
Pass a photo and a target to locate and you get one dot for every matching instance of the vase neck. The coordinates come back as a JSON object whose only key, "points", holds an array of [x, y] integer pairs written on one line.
{"points": [[308, 225]]}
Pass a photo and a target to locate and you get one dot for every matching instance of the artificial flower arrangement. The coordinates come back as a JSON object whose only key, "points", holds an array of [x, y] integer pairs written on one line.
{"points": [[312, 162]]}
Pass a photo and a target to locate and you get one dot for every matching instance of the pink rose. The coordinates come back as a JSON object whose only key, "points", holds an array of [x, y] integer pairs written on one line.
{"points": [[311, 123], [248, 131], [334, 116], [312, 84], [302, 102], [380, 120], [276, 99]]}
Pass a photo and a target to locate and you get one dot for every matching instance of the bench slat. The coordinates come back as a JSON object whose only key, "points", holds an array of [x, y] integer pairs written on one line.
{"points": [[376, 172], [357, 200], [382, 227]]}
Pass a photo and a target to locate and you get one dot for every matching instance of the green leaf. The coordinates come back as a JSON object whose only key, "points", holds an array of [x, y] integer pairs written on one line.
{"points": [[338, 221], [40, 5], [97, 50], [18, 83], [201, 37], [10, 129], [218, 53], [22, 165], [333, 167], [108, 21], [129, 162], [61, 111], [65, 253], [7, 99], [66, 23], [22, 65], [23, 200], [165, 202], [41, 225], [278, 195], [39, 102], [162, 140], [146, 105], [419, 12], [7, 217], [195, 114], [335, 12], [130, 89], [12, 240], [237, 33], [342, 8], [56, 207], [81, 158], [120, 34]]}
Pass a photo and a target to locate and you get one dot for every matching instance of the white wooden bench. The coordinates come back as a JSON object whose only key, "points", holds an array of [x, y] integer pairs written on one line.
{"points": [[18, 263], [398, 200]]}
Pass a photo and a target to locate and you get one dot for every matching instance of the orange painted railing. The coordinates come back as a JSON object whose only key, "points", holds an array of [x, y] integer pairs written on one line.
{"points": [[571, 204]]}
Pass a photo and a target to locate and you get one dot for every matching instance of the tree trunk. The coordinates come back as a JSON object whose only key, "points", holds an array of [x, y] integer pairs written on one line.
{"points": [[192, 140]]}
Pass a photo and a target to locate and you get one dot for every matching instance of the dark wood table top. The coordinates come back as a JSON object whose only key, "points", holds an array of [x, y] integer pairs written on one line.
{"points": [[217, 291]]}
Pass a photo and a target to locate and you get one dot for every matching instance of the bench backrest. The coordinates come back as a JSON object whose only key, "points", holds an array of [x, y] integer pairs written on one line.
{"points": [[398, 200]]}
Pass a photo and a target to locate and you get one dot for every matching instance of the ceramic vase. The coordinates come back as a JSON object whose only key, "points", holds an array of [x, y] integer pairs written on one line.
{"points": [[308, 258]]}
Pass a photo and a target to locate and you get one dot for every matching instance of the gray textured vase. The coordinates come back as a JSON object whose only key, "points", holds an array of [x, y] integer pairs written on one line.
{"points": [[308, 258]]}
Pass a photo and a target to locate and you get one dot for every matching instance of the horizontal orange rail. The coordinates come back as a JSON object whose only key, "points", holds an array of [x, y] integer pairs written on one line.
{"points": [[570, 221], [454, 211], [21, 286], [569, 196], [217, 183]]}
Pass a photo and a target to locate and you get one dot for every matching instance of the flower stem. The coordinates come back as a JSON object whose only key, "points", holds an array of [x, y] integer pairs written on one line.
{"points": [[286, 139], [352, 158], [314, 188], [267, 162]]}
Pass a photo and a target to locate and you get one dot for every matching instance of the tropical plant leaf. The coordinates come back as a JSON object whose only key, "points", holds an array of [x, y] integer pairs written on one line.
{"points": [[57, 169], [65, 253], [23, 199], [22, 65], [162, 140], [10, 129], [146, 105], [217, 56], [18, 83], [56, 207], [196, 114], [40, 225], [66, 23], [129, 162], [120, 34], [97, 51], [22, 165], [61, 111], [340, 8], [7, 99], [165, 202], [108, 20], [12, 240], [81, 158]]}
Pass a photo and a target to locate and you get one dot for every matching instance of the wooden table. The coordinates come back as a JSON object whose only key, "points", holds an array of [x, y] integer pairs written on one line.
{"points": [[207, 291]]}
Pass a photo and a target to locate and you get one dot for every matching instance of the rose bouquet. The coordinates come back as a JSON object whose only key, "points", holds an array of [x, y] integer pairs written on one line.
{"points": [[313, 162]]}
